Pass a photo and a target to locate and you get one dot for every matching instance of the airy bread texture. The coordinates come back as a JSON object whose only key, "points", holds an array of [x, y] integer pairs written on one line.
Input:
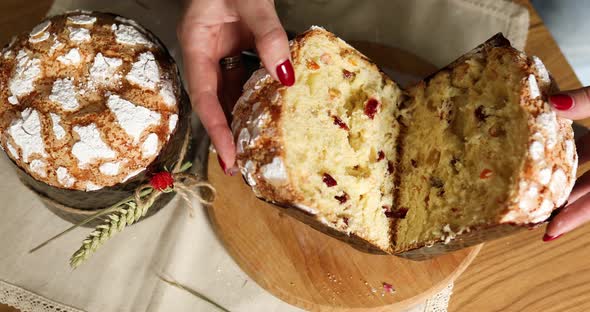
{"points": [[470, 154], [87, 100]]}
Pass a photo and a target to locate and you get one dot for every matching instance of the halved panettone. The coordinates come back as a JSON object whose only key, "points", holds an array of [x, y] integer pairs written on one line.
{"points": [[471, 153]]}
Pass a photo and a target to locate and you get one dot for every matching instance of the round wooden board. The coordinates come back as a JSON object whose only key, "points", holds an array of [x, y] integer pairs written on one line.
{"points": [[314, 271]]}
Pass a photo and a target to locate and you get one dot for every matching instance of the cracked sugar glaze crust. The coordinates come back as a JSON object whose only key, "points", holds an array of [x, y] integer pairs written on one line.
{"points": [[87, 100]]}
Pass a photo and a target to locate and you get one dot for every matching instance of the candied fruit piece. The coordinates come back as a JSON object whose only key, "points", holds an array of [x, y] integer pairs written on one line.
{"points": [[486, 173], [342, 198], [340, 123], [329, 180], [371, 108], [348, 74], [380, 155], [312, 65]]}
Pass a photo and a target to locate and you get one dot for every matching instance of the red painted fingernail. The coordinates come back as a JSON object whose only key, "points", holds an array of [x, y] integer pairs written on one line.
{"points": [[222, 164], [548, 238], [286, 73], [561, 101]]}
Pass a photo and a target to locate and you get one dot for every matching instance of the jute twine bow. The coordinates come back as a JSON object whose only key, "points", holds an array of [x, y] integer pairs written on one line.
{"points": [[132, 208]]}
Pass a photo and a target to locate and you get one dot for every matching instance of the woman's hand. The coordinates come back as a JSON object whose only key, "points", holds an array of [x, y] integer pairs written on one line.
{"points": [[574, 105], [213, 29]]}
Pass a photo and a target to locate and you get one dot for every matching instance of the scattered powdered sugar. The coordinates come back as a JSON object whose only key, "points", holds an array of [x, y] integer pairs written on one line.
{"points": [[533, 87], [103, 70], [64, 93], [12, 150], [172, 123], [537, 150], [167, 94], [92, 187], [132, 118], [26, 133], [125, 34], [110, 168], [27, 71], [243, 140], [570, 149], [70, 58], [58, 130], [90, 146], [82, 19], [64, 177], [149, 146], [56, 46], [541, 70], [13, 100], [145, 71], [545, 176], [39, 167], [543, 212], [44, 36], [529, 198], [40, 28], [558, 183], [79, 34], [548, 123], [274, 172]]}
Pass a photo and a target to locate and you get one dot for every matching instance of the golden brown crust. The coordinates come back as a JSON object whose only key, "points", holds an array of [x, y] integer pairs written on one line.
{"points": [[66, 50]]}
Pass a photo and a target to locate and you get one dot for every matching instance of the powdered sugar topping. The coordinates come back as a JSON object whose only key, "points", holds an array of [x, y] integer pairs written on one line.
{"points": [[172, 123], [132, 118], [27, 71], [243, 140], [82, 19], [44, 36], [274, 172], [79, 34], [167, 94], [110, 168], [40, 28], [537, 150], [145, 71], [90, 145], [548, 123], [533, 87], [541, 70], [58, 130], [529, 198], [64, 93], [149, 146], [92, 187], [544, 176], [64, 177], [26, 133], [12, 150], [70, 58], [125, 34], [104, 70], [39, 167]]}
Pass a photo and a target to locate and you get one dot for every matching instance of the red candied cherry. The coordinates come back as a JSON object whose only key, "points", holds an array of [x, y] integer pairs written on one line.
{"points": [[486, 173], [342, 198], [380, 155], [340, 123], [329, 180], [371, 108]]}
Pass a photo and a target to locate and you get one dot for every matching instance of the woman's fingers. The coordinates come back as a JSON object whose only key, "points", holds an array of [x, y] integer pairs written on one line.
{"points": [[203, 75], [572, 216], [270, 37], [573, 104]]}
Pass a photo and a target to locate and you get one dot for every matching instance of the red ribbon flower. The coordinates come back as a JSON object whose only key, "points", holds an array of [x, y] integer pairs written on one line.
{"points": [[162, 181]]}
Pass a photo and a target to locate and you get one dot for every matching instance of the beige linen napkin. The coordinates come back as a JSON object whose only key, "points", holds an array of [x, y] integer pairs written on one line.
{"points": [[122, 276]]}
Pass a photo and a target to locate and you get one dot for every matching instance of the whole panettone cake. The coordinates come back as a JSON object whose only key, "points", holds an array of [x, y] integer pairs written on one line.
{"points": [[89, 102], [469, 154]]}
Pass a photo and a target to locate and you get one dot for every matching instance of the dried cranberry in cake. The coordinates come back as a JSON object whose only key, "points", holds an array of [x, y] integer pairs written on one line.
{"points": [[371, 108], [380, 155], [342, 198], [345, 220], [348, 74], [328, 180], [312, 65], [340, 123]]}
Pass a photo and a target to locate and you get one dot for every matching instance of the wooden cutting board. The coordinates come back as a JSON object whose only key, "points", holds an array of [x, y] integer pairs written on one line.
{"points": [[311, 270]]}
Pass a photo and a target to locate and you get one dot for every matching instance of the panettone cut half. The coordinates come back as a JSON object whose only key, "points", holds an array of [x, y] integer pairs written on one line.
{"points": [[471, 153]]}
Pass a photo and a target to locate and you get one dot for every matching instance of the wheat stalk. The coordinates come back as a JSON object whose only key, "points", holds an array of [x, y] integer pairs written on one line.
{"points": [[123, 215]]}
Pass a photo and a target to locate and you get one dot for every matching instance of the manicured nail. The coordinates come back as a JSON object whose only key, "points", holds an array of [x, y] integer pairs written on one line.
{"points": [[286, 73], [562, 101], [222, 164], [548, 238]]}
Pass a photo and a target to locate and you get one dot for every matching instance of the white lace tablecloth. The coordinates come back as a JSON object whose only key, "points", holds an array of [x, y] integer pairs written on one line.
{"points": [[123, 275]]}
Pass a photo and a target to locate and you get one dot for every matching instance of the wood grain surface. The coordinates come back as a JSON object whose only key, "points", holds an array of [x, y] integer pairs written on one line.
{"points": [[311, 270], [518, 273]]}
